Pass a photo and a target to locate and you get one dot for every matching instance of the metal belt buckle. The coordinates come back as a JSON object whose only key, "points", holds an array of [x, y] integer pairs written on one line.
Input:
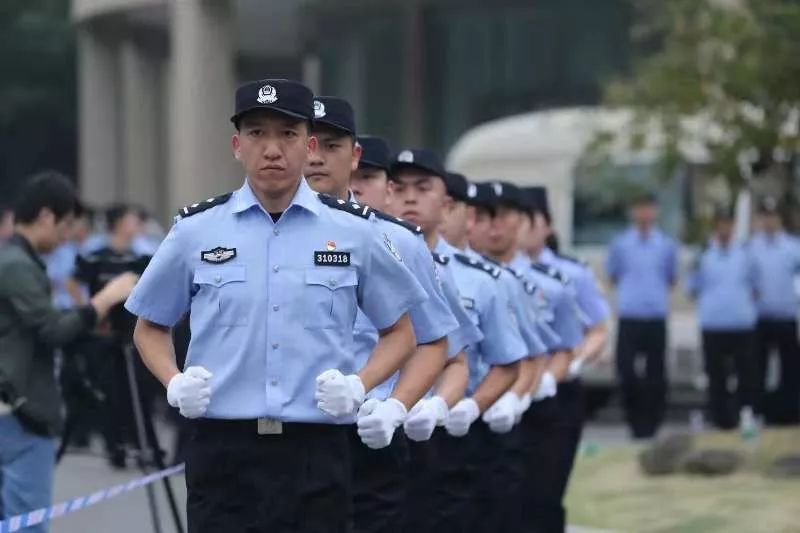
{"points": [[269, 426]]}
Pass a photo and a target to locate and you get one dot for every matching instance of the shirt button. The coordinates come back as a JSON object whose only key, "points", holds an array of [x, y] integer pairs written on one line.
{"points": [[333, 283], [217, 278], [275, 268], [275, 345], [274, 382], [276, 231], [275, 307]]}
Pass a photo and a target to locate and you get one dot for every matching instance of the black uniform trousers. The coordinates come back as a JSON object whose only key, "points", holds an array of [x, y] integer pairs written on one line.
{"points": [[643, 393], [783, 405], [241, 482], [380, 484], [570, 404], [726, 354], [541, 502]]}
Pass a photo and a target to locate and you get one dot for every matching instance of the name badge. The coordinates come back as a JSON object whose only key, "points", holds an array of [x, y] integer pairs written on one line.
{"points": [[269, 426], [332, 258]]}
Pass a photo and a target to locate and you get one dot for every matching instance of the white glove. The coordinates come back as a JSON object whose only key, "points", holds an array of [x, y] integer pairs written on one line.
{"points": [[501, 415], [522, 406], [547, 387], [377, 421], [424, 417], [190, 391], [461, 417], [575, 367], [337, 394]]}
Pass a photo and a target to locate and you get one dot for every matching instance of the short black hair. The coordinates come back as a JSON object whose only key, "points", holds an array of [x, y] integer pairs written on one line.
{"points": [[45, 190], [117, 212]]}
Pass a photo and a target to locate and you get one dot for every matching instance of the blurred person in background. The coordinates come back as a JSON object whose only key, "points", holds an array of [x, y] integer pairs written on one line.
{"points": [[723, 281], [777, 256], [642, 267], [6, 223], [30, 329]]}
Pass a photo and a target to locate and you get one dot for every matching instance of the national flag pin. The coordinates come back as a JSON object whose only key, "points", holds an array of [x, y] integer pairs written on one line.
{"points": [[331, 246]]}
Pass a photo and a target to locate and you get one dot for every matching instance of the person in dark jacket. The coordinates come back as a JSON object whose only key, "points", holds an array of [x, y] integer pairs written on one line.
{"points": [[30, 330]]}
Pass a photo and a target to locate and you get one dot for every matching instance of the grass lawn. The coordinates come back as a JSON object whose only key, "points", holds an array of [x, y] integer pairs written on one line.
{"points": [[608, 491]]}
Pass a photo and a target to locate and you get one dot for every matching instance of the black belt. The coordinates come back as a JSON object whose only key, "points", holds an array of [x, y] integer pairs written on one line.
{"points": [[265, 426]]}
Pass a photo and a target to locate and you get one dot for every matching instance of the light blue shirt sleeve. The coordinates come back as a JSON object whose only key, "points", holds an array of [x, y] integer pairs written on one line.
{"points": [[502, 342], [467, 333], [520, 298]]}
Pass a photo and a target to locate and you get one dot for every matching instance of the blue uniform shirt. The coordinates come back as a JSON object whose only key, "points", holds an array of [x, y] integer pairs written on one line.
{"points": [[431, 319], [486, 304], [778, 262], [592, 303], [273, 305], [565, 318], [60, 268], [724, 283], [643, 268]]}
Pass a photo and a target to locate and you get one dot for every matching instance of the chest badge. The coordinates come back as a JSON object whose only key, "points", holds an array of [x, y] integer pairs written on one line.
{"points": [[218, 255], [330, 257]]}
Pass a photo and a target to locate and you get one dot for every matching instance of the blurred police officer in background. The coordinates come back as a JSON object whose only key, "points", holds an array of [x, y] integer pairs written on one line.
{"points": [[30, 329], [642, 267], [777, 256], [380, 455], [274, 275], [723, 281], [6, 223]]}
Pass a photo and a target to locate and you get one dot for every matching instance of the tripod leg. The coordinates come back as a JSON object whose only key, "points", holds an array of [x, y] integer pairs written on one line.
{"points": [[159, 461]]}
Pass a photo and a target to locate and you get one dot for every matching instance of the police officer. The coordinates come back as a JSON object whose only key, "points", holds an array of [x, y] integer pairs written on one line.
{"points": [[642, 266], [420, 195], [723, 282], [593, 310], [274, 275], [777, 256], [380, 474]]}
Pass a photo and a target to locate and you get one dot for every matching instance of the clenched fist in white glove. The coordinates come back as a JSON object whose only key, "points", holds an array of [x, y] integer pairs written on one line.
{"points": [[424, 417], [190, 391], [337, 394], [501, 415], [461, 417], [522, 406], [575, 367], [547, 387], [377, 421]]}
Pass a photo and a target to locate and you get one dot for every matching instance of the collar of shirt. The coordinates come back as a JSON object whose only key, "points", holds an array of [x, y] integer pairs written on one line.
{"points": [[444, 248], [546, 256], [304, 198], [653, 235], [23, 243], [765, 238]]}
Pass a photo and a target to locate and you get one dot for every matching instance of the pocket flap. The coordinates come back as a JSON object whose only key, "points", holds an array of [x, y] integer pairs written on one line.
{"points": [[219, 275], [331, 277]]}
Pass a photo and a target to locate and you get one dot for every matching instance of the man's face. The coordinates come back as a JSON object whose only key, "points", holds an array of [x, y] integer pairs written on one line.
{"points": [[479, 228], [370, 186], [331, 162], [723, 228], [273, 149], [128, 227], [644, 214], [503, 231], [6, 224], [455, 225], [419, 197], [53, 232], [770, 222], [537, 235]]}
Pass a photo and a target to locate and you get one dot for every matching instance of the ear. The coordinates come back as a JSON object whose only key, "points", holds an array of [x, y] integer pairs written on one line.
{"points": [[357, 151], [236, 147], [312, 145]]}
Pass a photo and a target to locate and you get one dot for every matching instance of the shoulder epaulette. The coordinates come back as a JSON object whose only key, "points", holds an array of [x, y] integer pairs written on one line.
{"points": [[480, 265], [193, 209], [490, 260], [441, 259], [572, 259], [353, 208], [514, 272], [413, 228], [549, 271]]}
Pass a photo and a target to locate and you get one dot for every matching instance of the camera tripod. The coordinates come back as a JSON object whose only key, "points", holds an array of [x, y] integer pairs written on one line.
{"points": [[148, 454]]}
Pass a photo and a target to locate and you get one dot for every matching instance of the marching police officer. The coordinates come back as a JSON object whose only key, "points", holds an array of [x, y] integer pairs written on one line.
{"points": [[274, 275], [642, 266], [724, 283], [777, 256]]}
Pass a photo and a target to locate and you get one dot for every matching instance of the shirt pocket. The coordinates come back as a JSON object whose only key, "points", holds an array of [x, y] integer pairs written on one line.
{"points": [[223, 292], [329, 298]]}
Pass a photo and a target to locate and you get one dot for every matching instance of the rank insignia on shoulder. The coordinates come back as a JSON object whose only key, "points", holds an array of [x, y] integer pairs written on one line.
{"points": [[218, 255], [550, 271], [413, 228], [199, 207], [331, 258], [572, 259], [363, 211], [441, 259], [474, 263]]}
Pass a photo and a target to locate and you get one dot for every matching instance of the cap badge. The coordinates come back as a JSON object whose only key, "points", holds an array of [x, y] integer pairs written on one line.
{"points": [[319, 109], [406, 156], [267, 95], [472, 191], [498, 189]]}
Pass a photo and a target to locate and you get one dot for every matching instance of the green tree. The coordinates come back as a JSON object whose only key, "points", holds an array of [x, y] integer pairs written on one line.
{"points": [[735, 66]]}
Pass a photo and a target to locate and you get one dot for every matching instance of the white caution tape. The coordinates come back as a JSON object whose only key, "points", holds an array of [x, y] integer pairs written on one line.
{"points": [[39, 516]]}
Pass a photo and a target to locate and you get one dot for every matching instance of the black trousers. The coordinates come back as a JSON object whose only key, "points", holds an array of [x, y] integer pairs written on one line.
{"points": [[783, 405], [241, 482], [541, 503], [569, 429], [726, 354], [441, 484], [644, 394], [380, 484]]}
